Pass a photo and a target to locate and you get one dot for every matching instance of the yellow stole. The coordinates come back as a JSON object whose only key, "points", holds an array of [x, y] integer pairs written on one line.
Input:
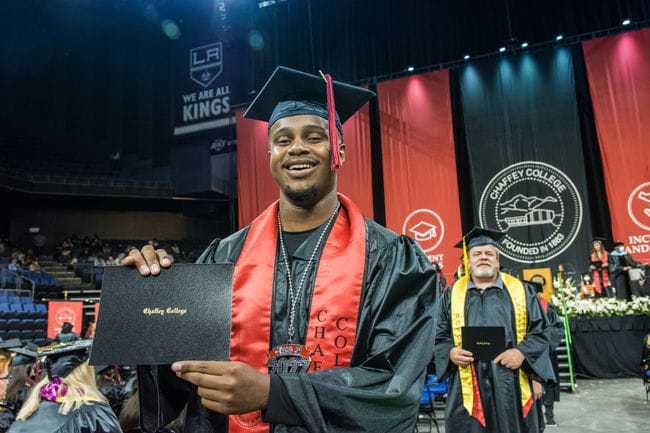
{"points": [[467, 379]]}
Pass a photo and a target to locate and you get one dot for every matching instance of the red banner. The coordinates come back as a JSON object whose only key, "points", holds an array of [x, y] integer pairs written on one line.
{"points": [[419, 162], [59, 312], [618, 68], [257, 188]]}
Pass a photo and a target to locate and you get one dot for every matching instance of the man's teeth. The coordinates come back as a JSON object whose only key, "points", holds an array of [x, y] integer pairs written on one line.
{"points": [[299, 166]]}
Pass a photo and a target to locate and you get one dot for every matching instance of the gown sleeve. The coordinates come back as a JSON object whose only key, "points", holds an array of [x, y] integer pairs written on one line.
{"points": [[535, 346], [443, 340], [381, 389]]}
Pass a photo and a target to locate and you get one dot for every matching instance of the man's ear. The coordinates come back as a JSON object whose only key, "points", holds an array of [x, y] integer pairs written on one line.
{"points": [[342, 152]]}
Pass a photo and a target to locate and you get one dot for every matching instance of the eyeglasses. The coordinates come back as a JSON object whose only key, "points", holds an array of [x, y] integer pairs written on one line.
{"points": [[5, 378]]}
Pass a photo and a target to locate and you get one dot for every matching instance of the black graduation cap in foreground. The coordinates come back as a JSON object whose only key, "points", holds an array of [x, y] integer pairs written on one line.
{"points": [[24, 355], [11, 343], [289, 92], [480, 236], [63, 358]]}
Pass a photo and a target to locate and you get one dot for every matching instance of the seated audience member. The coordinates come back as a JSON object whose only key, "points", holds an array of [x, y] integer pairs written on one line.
{"points": [[587, 290], [66, 333], [34, 266], [623, 269], [66, 399], [14, 266]]}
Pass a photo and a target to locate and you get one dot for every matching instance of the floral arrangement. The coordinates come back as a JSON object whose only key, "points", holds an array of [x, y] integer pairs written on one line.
{"points": [[565, 298]]}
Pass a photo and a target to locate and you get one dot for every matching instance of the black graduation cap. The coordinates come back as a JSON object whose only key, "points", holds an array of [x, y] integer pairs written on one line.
{"points": [[62, 359], [480, 236], [618, 243], [25, 355], [477, 237], [11, 343], [598, 239], [289, 92]]}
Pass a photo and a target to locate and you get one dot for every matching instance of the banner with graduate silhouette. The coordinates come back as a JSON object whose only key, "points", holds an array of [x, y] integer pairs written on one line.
{"points": [[419, 164], [59, 312], [618, 68], [525, 158]]}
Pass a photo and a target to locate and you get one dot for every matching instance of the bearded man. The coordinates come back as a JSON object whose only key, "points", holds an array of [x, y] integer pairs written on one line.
{"points": [[494, 395]]}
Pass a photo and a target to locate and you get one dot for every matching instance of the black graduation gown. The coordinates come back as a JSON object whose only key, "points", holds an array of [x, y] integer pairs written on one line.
{"points": [[381, 389], [499, 386], [617, 276], [93, 418], [555, 334]]}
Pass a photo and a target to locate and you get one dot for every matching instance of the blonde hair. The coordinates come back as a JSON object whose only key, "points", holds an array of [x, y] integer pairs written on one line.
{"points": [[81, 390]]}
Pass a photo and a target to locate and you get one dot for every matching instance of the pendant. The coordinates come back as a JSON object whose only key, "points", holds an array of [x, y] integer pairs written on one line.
{"points": [[289, 359]]}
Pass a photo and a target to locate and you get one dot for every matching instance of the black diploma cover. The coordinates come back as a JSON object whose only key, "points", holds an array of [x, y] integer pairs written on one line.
{"points": [[184, 313], [485, 342]]}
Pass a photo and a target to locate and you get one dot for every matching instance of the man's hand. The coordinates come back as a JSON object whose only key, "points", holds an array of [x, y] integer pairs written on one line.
{"points": [[511, 358], [227, 387], [538, 390], [460, 356], [147, 260]]}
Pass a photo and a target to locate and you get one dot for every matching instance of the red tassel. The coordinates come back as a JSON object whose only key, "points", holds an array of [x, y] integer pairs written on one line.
{"points": [[335, 159]]}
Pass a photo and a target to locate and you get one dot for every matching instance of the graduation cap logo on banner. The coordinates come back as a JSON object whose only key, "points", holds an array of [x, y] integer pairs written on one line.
{"points": [[289, 92]]}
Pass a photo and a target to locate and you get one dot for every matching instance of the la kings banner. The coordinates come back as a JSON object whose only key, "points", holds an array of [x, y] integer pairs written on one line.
{"points": [[525, 153], [207, 83], [206, 87]]}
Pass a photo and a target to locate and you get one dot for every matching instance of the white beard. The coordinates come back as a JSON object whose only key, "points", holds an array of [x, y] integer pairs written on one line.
{"points": [[483, 273]]}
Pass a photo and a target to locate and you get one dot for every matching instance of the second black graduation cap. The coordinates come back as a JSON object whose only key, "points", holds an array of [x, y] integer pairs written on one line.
{"points": [[480, 236], [62, 359], [24, 355], [11, 343], [289, 92]]}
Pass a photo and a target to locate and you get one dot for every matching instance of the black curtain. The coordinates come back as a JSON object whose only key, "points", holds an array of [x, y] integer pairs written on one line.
{"points": [[525, 157]]}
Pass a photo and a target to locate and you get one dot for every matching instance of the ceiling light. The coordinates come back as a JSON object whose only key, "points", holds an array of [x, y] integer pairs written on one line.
{"points": [[559, 37], [626, 21]]}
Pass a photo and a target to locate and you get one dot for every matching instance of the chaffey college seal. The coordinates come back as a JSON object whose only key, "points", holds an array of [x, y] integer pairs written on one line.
{"points": [[537, 206]]}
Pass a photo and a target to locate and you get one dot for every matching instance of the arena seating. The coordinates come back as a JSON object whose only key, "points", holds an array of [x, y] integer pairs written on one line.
{"points": [[22, 318]]}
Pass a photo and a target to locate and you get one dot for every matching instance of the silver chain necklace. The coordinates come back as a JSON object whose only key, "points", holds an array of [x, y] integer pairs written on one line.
{"points": [[295, 296]]}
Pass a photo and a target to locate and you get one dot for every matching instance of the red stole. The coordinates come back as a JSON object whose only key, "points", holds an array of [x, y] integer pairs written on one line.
{"points": [[334, 306], [544, 303], [601, 276]]}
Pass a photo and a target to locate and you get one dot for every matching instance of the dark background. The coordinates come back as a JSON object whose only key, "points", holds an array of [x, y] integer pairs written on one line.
{"points": [[81, 79]]}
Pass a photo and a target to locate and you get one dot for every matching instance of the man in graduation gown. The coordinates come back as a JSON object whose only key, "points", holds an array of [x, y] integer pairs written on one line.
{"points": [[619, 264], [492, 395], [554, 334], [332, 313]]}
